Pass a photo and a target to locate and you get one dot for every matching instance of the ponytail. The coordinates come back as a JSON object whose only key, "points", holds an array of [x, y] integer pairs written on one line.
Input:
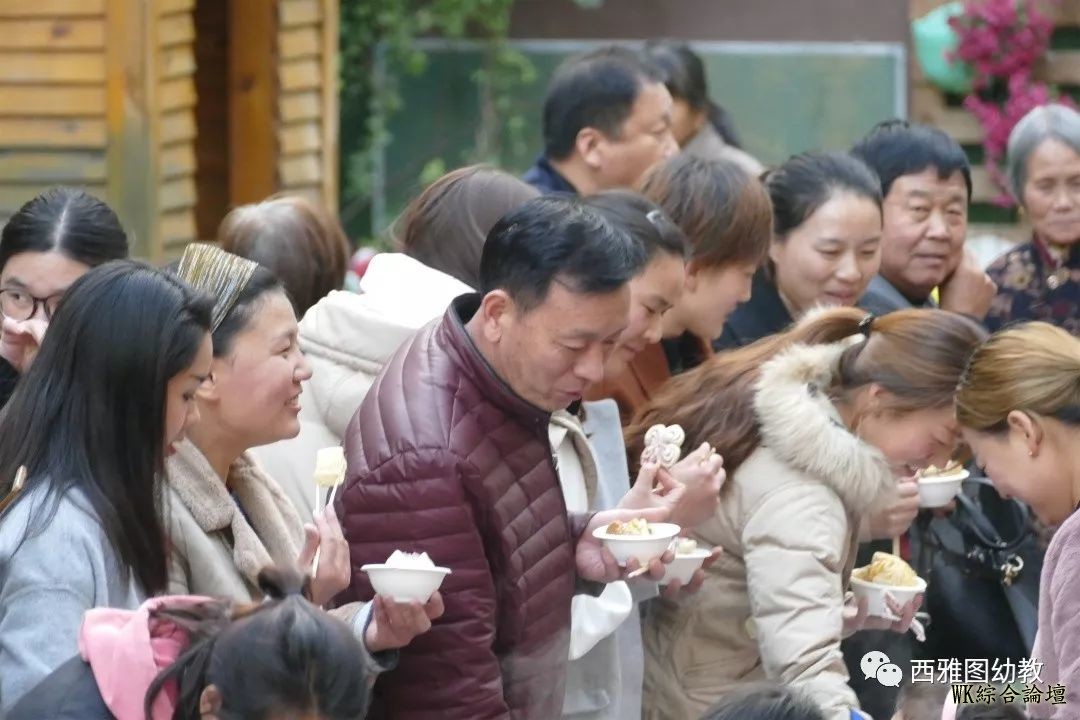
{"points": [[714, 402], [280, 655], [187, 673], [917, 355], [282, 583]]}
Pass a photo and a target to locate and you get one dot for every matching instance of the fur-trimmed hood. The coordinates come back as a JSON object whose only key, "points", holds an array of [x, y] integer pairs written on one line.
{"points": [[802, 427], [789, 526]]}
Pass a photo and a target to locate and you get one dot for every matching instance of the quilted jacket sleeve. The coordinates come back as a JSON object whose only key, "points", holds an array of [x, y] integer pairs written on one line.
{"points": [[416, 501]]}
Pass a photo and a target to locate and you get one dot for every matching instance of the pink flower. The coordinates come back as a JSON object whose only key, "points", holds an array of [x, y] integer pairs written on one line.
{"points": [[1002, 40]]}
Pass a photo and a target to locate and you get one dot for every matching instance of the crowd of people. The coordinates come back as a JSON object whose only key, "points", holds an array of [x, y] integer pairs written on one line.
{"points": [[817, 329]]}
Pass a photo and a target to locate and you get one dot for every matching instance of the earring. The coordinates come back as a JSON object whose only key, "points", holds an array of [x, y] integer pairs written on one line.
{"points": [[1031, 453]]}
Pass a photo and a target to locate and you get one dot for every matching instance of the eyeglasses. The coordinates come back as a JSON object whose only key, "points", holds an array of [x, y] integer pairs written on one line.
{"points": [[21, 305]]}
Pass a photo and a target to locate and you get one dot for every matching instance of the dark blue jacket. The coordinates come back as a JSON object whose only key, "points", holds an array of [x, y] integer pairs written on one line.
{"points": [[547, 179]]}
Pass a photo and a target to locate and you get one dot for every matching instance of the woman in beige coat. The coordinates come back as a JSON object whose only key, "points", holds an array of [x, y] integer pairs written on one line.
{"points": [[814, 427], [226, 518]]}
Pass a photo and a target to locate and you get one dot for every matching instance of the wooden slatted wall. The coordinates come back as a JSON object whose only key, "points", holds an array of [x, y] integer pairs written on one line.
{"points": [[104, 94], [176, 127], [307, 100], [930, 105], [52, 98]]}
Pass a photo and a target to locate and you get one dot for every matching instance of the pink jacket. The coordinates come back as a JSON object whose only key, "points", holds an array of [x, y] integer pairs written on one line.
{"points": [[1057, 645], [126, 649]]}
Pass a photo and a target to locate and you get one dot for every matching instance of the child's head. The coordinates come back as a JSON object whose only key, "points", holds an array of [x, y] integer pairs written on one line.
{"points": [[765, 702], [997, 711], [281, 658], [933, 701], [921, 701]]}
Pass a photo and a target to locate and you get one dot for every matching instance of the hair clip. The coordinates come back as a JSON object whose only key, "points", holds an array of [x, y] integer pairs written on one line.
{"points": [[866, 324], [654, 216], [221, 275]]}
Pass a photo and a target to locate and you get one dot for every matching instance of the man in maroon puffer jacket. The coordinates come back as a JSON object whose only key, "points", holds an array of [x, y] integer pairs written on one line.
{"points": [[449, 454]]}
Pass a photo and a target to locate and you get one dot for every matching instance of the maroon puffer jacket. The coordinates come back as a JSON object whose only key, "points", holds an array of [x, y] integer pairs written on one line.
{"points": [[444, 457]]}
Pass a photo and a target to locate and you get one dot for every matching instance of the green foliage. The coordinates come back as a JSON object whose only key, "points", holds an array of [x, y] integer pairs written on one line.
{"points": [[378, 46]]}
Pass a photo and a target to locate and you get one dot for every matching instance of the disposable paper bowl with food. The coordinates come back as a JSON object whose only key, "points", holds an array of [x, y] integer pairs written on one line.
{"points": [[642, 547], [937, 491], [682, 568], [404, 584], [875, 595]]}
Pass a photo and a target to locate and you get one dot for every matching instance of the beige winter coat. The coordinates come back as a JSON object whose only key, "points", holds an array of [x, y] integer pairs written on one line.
{"points": [[788, 523], [218, 544]]}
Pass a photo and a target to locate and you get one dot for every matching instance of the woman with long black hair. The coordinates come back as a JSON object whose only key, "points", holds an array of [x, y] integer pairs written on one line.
{"points": [[83, 443]]}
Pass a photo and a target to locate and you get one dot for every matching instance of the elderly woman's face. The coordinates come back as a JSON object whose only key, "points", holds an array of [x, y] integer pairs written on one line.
{"points": [[1051, 193]]}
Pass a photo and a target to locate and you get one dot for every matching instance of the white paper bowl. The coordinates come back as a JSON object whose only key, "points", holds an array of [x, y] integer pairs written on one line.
{"points": [[938, 491], [404, 584], [642, 547], [875, 596], [683, 567]]}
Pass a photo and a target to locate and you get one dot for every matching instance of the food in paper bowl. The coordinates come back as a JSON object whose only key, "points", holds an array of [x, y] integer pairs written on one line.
{"points": [[686, 546], [886, 574], [688, 558], [937, 486], [887, 569], [637, 539], [406, 576], [637, 526]]}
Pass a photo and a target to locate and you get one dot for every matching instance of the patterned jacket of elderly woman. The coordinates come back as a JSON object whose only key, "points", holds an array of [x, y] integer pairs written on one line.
{"points": [[1040, 280]]}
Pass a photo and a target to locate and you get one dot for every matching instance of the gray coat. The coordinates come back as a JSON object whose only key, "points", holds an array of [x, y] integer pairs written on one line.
{"points": [[708, 145], [47, 581]]}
